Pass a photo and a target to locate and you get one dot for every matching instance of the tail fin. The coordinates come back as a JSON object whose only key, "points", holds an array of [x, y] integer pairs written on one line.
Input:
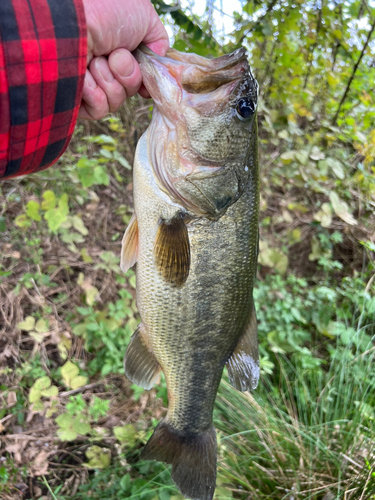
{"points": [[193, 459]]}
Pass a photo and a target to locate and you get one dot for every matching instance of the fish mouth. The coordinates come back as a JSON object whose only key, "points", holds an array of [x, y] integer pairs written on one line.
{"points": [[193, 73]]}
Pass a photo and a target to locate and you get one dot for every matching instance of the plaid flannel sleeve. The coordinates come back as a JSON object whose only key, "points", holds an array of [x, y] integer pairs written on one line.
{"points": [[43, 50]]}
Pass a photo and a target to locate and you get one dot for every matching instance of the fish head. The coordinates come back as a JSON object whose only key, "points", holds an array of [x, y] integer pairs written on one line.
{"points": [[203, 134]]}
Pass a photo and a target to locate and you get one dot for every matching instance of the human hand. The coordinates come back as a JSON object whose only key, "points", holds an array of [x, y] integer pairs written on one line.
{"points": [[114, 29]]}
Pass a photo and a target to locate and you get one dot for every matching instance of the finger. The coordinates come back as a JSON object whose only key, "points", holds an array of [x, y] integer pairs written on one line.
{"points": [[126, 70], [144, 92], [104, 78], [156, 37], [94, 100]]}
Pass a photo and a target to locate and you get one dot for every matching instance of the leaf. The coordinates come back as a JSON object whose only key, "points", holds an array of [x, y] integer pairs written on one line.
{"points": [[49, 200], [302, 156], [122, 161], [67, 434], [273, 258], [125, 482], [86, 256], [91, 295], [27, 324], [64, 420], [40, 464], [34, 395], [41, 326], [341, 209], [54, 218], [316, 250], [64, 345], [78, 381], [324, 216], [22, 221], [100, 176], [126, 434], [99, 458], [32, 210], [297, 207], [81, 425], [38, 406], [38, 337], [79, 225], [50, 392], [336, 167], [316, 154], [288, 156], [42, 383], [68, 372]]}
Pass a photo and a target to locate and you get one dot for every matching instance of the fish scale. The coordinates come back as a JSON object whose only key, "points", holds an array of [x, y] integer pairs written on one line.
{"points": [[194, 236]]}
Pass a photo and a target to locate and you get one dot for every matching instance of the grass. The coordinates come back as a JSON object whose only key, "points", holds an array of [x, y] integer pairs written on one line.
{"points": [[305, 438]]}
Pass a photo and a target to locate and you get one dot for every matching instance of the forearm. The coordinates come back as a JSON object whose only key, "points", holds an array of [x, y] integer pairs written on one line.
{"points": [[43, 57]]}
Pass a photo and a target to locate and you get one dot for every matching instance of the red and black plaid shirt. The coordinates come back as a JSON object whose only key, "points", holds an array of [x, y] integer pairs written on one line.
{"points": [[43, 50]]}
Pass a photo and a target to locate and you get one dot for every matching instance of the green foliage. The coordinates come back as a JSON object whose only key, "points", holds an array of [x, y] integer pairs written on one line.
{"points": [[107, 333], [313, 322]]}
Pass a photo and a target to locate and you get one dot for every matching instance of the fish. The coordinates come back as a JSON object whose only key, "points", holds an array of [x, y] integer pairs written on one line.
{"points": [[194, 237]]}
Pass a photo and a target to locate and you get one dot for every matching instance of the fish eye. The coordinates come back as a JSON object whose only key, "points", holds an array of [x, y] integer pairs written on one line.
{"points": [[245, 108]]}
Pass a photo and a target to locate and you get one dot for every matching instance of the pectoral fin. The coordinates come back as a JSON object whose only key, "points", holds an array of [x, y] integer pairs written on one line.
{"points": [[172, 251], [243, 365], [140, 364], [129, 249]]}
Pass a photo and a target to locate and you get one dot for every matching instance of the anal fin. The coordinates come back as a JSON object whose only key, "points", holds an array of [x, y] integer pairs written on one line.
{"points": [[129, 249], [243, 365], [172, 250], [140, 364]]}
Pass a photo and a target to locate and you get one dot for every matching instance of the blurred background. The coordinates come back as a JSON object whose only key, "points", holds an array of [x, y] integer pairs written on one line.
{"points": [[71, 425]]}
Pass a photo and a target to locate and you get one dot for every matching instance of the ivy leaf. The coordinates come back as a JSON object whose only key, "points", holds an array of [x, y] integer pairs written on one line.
{"points": [[78, 381], [38, 337], [50, 392], [41, 326], [81, 425], [126, 434], [67, 434], [68, 372], [49, 200], [32, 210], [22, 221], [42, 383], [64, 420], [99, 458], [27, 324]]}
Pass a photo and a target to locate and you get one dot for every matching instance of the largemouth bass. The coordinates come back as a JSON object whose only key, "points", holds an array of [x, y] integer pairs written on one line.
{"points": [[194, 236]]}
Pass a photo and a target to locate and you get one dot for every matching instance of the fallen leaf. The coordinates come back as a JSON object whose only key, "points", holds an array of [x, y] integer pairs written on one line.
{"points": [[11, 398], [40, 465]]}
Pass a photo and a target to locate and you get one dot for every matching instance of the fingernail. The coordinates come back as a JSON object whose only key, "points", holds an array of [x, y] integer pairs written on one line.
{"points": [[123, 70], [102, 68]]}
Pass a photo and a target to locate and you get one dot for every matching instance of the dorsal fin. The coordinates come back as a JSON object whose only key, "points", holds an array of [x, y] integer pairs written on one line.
{"points": [[172, 250], [129, 249], [243, 365]]}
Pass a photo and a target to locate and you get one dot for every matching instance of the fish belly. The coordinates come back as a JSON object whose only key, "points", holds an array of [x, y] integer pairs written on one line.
{"points": [[193, 329]]}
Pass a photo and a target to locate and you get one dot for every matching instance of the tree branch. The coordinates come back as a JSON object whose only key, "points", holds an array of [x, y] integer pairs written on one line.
{"points": [[354, 72]]}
